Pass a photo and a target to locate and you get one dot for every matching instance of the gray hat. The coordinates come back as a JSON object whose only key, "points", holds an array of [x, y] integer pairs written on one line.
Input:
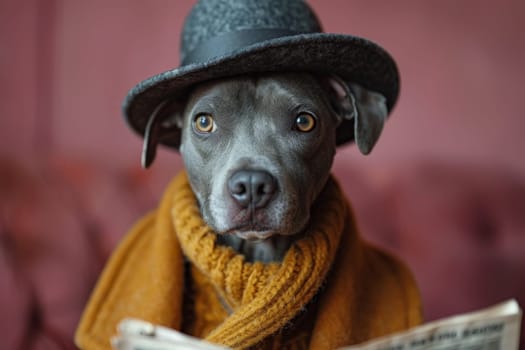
{"points": [[223, 38]]}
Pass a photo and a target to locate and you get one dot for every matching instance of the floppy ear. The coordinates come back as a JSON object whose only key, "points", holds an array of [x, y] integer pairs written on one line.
{"points": [[163, 124], [371, 116], [367, 109]]}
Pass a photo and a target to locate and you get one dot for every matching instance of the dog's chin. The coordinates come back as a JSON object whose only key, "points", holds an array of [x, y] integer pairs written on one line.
{"points": [[258, 245], [253, 235], [258, 233]]}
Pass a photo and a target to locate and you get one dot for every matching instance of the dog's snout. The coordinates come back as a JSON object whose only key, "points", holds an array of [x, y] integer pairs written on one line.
{"points": [[252, 188]]}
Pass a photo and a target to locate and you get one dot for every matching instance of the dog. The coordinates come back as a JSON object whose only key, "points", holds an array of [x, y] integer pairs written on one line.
{"points": [[258, 150], [259, 104]]}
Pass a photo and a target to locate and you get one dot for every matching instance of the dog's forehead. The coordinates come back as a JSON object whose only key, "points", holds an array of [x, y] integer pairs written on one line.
{"points": [[292, 87]]}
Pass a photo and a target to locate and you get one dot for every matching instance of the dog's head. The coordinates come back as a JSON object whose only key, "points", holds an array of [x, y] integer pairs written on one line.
{"points": [[258, 149]]}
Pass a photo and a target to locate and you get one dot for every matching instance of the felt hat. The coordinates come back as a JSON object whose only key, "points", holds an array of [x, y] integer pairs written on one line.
{"points": [[224, 38]]}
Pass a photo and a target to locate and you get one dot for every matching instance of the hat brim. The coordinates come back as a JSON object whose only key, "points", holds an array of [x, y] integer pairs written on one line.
{"points": [[354, 59]]}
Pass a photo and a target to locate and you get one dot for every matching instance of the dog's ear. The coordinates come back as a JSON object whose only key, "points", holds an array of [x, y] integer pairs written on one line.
{"points": [[371, 115], [366, 108], [163, 125]]}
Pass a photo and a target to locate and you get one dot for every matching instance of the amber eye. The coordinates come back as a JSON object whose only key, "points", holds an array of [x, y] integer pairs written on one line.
{"points": [[203, 123], [305, 122]]}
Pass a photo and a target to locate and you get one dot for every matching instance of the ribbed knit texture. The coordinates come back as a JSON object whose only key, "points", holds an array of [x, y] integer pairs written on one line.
{"points": [[264, 297], [362, 292]]}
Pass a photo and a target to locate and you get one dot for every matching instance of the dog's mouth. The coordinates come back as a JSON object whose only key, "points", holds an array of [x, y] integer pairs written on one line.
{"points": [[252, 225], [281, 216], [251, 232], [259, 225]]}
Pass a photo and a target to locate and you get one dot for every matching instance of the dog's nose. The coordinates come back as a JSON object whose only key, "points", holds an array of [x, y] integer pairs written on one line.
{"points": [[252, 188]]}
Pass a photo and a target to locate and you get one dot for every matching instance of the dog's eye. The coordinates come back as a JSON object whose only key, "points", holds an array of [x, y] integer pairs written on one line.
{"points": [[305, 122], [203, 123]]}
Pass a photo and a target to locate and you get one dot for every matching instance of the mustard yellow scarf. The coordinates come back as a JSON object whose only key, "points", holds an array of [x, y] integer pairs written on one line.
{"points": [[365, 294]]}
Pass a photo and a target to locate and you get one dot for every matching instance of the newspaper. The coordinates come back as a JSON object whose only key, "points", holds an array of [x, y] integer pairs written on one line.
{"points": [[494, 328], [139, 335]]}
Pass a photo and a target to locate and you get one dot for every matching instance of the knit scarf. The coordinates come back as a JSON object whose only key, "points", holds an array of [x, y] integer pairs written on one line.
{"points": [[366, 293], [264, 297]]}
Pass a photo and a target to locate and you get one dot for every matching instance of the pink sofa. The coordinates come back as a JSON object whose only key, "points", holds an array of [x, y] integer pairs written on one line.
{"points": [[460, 228]]}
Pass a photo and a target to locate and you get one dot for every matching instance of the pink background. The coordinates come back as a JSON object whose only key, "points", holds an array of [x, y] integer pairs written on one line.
{"points": [[444, 187], [66, 66]]}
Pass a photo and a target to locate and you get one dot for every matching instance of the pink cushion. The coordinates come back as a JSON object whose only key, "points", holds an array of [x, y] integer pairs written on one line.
{"points": [[460, 229]]}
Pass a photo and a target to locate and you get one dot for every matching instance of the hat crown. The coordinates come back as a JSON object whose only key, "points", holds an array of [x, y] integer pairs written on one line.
{"points": [[209, 19]]}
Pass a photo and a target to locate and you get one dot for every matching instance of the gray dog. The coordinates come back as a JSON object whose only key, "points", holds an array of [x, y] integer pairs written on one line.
{"points": [[257, 107], [258, 150]]}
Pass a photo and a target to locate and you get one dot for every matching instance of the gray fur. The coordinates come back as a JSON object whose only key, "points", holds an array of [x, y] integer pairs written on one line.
{"points": [[370, 117], [254, 118]]}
